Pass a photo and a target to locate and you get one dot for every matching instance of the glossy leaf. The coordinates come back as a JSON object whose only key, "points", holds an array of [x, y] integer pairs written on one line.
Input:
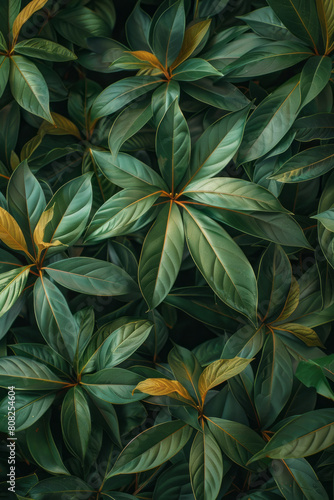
{"points": [[55, 319], [76, 422], [29, 87], [161, 255], [221, 262], [303, 436], [91, 276], [173, 146], [152, 447], [206, 466]]}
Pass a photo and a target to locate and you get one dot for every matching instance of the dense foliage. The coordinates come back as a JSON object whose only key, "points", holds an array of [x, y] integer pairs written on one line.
{"points": [[167, 249]]}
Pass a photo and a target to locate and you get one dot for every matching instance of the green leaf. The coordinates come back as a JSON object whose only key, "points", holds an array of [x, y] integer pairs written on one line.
{"points": [[11, 286], [217, 146], [273, 381], [326, 18], [222, 95], [91, 276], [43, 448], [327, 219], [117, 214], [61, 487], [318, 126], [137, 29], [4, 72], [152, 448], [221, 262], [113, 385], [236, 440], [314, 77], [118, 94], [127, 171], [167, 33], [162, 98], [169, 484], [233, 194], [26, 200], [297, 480], [244, 343], [314, 373], [72, 204], [278, 228], [186, 369], [76, 422], [270, 121], [173, 146], [161, 255], [266, 24], [55, 319], [309, 164], [206, 466], [300, 17], [128, 123], [122, 343], [202, 304], [194, 69], [29, 408], [274, 281], [325, 236], [10, 117], [274, 56], [43, 354], [27, 374], [301, 437], [44, 49], [29, 87]]}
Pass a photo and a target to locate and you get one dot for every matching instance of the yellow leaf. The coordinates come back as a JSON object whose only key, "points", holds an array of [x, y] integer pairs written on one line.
{"points": [[291, 302], [30, 147], [148, 57], [304, 333], [40, 230], [217, 372], [62, 126], [192, 38], [26, 14], [163, 387], [326, 18], [11, 234]]}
